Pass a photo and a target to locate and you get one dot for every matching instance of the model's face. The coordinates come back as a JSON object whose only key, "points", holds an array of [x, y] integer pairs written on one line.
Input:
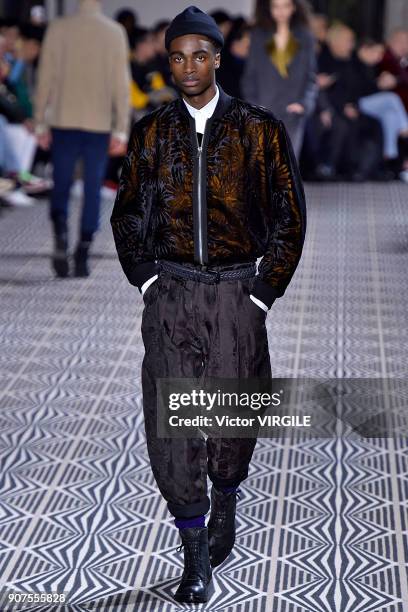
{"points": [[282, 10], [193, 62]]}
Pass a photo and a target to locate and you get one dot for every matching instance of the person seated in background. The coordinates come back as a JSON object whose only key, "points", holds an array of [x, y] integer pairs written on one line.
{"points": [[223, 21], [395, 61], [373, 91], [324, 130], [161, 60], [361, 154], [148, 88], [319, 24], [233, 57], [325, 141], [18, 141], [129, 20], [10, 30], [21, 77]]}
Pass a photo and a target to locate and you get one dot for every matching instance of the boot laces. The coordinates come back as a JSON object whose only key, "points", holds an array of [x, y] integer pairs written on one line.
{"points": [[190, 551]]}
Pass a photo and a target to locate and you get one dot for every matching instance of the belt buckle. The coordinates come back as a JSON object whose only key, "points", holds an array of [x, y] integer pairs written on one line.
{"points": [[216, 274]]}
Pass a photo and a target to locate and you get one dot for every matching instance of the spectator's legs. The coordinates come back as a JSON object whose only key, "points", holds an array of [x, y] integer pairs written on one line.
{"points": [[388, 108], [8, 159], [337, 140]]}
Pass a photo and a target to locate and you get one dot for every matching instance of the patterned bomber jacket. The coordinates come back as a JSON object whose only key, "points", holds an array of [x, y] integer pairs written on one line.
{"points": [[237, 197]]}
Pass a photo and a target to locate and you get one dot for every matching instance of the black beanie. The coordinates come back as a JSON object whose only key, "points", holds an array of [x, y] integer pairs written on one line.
{"points": [[193, 21]]}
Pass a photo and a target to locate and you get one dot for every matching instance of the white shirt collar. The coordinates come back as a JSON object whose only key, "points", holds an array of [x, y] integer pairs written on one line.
{"points": [[204, 113]]}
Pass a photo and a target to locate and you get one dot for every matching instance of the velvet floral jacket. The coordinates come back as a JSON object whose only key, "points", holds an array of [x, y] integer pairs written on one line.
{"points": [[237, 197]]}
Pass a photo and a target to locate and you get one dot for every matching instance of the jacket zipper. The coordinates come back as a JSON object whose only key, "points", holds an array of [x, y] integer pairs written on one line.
{"points": [[199, 201], [200, 228]]}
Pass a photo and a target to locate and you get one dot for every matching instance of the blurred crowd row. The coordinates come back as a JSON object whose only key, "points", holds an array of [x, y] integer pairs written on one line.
{"points": [[344, 100]]}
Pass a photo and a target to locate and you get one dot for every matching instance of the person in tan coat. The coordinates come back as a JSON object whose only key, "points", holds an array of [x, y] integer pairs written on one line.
{"points": [[81, 111]]}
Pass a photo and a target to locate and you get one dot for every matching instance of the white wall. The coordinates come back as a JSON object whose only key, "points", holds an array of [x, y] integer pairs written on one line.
{"points": [[150, 11], [396, 15]]}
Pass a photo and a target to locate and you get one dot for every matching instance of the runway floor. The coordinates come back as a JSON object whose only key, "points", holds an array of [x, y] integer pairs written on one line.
{"points": [[322, 525]]}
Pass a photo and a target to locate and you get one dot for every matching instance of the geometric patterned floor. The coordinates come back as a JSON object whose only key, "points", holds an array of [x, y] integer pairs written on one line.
{"points": [[322, 525]]}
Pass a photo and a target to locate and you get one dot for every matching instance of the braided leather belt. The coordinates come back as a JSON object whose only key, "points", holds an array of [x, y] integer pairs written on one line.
{"points": [[206, 274]]}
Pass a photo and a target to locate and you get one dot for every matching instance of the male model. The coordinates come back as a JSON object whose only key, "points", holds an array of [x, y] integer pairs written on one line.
{"points": [[210, 183], [81, 111]]}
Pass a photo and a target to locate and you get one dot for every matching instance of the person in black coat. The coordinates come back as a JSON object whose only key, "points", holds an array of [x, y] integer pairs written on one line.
{"points": [[360, 156]]}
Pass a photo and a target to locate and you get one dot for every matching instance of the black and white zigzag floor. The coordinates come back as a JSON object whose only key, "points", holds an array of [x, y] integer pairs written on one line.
{"points": [[322, 524]]}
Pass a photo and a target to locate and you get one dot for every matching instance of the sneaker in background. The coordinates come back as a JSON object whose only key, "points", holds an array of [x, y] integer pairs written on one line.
{"points": [[17, 197]]}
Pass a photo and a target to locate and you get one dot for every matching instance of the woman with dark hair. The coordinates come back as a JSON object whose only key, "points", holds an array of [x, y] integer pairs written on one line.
{"points": [[280, 70]]}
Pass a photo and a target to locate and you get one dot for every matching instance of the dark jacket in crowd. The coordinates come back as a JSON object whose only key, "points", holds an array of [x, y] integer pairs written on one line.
{"points": [[230, 72], [343, 90], [355, 79], [239, 198], [364, 79]]}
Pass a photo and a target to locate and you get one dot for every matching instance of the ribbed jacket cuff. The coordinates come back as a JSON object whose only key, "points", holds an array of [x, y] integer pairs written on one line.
{"points": [[265, 292], [142, 272]]}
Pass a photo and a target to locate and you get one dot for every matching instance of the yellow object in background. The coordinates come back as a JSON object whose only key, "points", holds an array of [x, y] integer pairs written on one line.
{"points": [[138, 98]]}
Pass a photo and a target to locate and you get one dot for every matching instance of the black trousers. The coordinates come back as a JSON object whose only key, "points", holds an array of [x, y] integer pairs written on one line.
{"points": [[192, 329]]}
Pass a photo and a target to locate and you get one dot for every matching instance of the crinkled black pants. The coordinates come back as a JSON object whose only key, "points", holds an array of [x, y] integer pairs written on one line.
{"points": [[189, 327]]}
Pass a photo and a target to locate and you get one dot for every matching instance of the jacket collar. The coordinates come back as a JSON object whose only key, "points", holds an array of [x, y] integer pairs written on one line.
{"points": [[224, 100]]}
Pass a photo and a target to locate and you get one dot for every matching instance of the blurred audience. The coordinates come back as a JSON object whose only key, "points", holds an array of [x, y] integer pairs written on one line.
{"points": [[352, 142], [161, 62], [372, 89], [319, 25], [129, 20], [19, 48], [148, 87], [234, 55], [395, 61], [223, 21]]}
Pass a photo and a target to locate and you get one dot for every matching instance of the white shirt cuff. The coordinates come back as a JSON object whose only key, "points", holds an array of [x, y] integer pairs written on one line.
{"points": [[148, 282], [259, 303], [122, 136]]}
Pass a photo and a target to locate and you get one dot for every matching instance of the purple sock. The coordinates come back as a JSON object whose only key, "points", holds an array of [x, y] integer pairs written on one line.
{"points": [[195, 521], [227, 489]]}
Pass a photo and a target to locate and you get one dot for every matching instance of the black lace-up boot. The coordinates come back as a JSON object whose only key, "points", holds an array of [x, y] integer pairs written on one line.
{"points": [[221, 524], [195, 585]]}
